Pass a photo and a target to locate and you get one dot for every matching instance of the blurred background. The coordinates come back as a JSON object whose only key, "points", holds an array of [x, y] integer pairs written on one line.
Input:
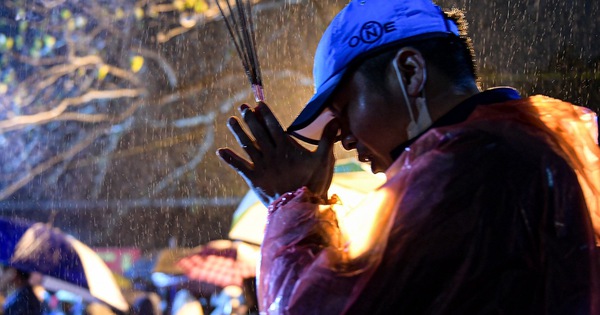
{"points": [[111, 110]]}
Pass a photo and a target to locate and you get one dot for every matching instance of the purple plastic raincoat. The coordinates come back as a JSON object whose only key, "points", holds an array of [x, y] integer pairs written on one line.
{"points": [[499, 214]]}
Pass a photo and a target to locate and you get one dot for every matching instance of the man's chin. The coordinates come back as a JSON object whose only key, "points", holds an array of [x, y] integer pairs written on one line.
{"points": [[379, 166], [375, 168]]}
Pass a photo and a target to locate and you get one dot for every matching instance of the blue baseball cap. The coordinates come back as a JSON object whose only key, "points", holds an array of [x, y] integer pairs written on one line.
{"points": [[362, 28]]}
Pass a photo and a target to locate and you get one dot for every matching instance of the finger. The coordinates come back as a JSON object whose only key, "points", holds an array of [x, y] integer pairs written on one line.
{"points": [[258, 128], [243, 107], [244, 139], [235, 161], [272, 123], [328, 138]]}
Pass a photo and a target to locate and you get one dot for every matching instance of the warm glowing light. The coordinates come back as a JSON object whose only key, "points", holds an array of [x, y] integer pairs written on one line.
{"points": [[365, 226]]}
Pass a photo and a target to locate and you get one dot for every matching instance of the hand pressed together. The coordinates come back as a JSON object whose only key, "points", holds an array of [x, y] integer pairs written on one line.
{"points": [[279, 164]]}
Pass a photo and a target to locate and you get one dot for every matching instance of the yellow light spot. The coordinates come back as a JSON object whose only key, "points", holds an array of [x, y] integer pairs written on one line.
{"points": [[9, 43], [137, 62], [65, 14], [119, 13], [3, 88], [190, 4], [49, 41], [139, 13], [102, 72], [201, 6]]}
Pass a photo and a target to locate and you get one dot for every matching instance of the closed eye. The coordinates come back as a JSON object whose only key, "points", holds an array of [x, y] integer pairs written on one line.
{"points": [[337, 113]]}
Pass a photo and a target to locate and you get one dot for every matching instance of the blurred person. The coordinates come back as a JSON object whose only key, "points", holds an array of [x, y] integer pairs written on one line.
{"points": [[230, 301], [20, 299], [491, 204], [185, 303], [96, 308], [146, 304]]}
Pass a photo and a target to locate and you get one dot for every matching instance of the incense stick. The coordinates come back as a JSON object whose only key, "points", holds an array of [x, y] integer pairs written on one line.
{"points": [[239, 22]]}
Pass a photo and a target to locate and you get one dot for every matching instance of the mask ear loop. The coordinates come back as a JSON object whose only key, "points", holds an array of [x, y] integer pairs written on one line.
{"points": [[403, 88], [414, 128]]}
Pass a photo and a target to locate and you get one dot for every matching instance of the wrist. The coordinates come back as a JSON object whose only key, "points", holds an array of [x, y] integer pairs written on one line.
{"points": [[303, 195]]}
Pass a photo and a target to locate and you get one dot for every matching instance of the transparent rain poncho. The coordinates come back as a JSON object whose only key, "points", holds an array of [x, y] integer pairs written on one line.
{"points": [[500, 214]]}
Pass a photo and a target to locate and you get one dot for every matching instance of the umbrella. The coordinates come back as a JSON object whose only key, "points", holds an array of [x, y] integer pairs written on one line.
{"points": [[166, 272], [222, 263], [167, 258], [64, 262], [351, 182]]}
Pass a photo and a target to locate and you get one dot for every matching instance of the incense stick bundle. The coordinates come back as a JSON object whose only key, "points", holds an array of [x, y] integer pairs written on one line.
{"points": [[238, 18]]}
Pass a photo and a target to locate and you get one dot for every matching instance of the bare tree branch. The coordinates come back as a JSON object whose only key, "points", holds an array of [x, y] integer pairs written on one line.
{"points": [[137, 150], [104, 161], [57, 112], [186, 122], [59, 169], [162, 62], [28, 176], [209, 140], [38, 62]]}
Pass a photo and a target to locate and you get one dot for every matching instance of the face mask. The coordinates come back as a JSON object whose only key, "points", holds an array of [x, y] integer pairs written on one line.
{"points": [[423, 121]]}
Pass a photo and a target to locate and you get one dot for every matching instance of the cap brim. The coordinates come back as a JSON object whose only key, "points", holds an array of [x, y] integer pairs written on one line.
{"points": [[311, 121]]}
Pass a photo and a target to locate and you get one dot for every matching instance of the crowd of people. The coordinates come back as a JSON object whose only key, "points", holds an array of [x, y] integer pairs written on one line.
{"points": [[20, 295]]}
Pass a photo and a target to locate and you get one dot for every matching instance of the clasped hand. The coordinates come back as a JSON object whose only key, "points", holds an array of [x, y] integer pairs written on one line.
{"points": [[279, 164]]}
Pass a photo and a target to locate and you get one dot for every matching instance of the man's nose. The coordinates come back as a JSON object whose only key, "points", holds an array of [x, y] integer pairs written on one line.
{"points": [[349, 142]]}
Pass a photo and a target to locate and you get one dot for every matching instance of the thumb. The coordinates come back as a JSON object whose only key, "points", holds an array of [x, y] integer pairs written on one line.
{"points": [[328, 137]]}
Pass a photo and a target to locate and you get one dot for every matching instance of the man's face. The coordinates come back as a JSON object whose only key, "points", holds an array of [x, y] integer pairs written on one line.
{"points": [[372, 122]]}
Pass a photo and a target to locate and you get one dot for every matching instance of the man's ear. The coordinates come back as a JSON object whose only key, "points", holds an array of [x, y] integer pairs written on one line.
{"points": [[412, 69]]}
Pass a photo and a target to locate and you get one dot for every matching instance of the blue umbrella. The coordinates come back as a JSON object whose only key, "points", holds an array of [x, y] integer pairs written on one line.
{"points": [[63, 261]]}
